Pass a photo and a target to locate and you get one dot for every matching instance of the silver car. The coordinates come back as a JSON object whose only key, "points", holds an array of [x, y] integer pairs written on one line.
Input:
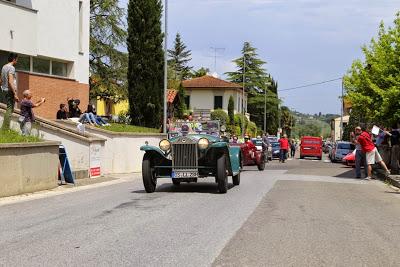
{"points": [[340, 150]]}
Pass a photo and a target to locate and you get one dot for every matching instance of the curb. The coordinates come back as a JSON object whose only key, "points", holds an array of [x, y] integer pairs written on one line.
{"points": [[394, 180]]}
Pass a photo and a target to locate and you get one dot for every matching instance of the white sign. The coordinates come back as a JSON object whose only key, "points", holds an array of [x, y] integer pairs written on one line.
{"points": [[375, 130], [95, 160]]}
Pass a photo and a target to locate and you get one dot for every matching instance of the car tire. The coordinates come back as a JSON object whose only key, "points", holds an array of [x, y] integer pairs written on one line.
{"points": [[149, 180], [236, 179], [222, 177], [176, 182], [261, 166], [301, 157]]}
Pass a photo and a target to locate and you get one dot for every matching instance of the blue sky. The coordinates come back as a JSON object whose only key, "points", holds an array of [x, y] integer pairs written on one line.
{"points": [[303, 41]]}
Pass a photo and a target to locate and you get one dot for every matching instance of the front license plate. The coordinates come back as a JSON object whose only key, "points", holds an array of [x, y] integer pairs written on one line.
{"points": [[185, 174]]}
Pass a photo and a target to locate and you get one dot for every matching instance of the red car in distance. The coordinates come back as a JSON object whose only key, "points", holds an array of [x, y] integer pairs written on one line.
{"points": [[311, 147]]}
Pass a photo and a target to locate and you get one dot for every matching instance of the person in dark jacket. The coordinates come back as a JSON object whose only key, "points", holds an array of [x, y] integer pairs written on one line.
{"points": [[62, 114]]}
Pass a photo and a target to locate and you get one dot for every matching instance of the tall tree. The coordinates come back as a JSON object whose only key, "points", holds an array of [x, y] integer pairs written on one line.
{"points": [[251, 65], [287, 120], [373, 85], [231, 108], [179, 59], [257, 82], [200, 72], [108, 64], [146, 62]]}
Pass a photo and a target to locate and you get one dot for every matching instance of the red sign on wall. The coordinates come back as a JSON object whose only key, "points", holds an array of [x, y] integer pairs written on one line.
{"points": [[94, 172]]}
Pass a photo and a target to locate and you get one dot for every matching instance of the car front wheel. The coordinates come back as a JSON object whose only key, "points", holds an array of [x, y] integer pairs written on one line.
{"points": [[149, 180], [236, 179], [222, 177]]}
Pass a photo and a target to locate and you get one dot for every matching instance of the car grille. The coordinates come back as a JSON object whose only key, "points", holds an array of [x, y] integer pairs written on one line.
{"points": [[184, 156]]}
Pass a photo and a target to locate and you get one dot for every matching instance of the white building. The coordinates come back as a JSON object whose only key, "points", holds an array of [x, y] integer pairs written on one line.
{"points": [[208, 93], [335, 127], [51, 38]]}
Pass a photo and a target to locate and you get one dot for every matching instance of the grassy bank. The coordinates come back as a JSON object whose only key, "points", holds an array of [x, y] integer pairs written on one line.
{"points": [[14, 137], [124, 128]]}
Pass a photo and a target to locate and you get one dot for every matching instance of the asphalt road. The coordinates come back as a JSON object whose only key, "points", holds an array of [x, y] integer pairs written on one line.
{"points": [[296, 214]]}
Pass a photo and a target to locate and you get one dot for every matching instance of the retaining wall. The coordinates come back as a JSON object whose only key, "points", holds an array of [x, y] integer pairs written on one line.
{"points": [[27, 168]]}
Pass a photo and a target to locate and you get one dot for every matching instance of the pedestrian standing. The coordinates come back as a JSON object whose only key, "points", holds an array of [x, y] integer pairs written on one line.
{"points": [[284, 147], [8, 92], [292, 149], [360, 157], [27, 115], [372, 154], [265, 145]]}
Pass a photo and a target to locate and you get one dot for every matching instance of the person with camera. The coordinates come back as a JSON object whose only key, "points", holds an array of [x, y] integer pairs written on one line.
{"points": [[73, 108], [27, 115]]}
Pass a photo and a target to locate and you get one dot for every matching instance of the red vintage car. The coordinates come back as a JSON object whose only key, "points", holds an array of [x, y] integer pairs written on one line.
{"points": [[350, 159], [251, 156]]}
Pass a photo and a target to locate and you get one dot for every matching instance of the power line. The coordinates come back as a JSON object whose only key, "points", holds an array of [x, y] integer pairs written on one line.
{"points": [[309, 85]]}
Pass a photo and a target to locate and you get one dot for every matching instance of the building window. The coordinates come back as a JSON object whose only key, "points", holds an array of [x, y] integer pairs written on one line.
{"points": [[41, 65], [217, 102], [59, 68], [187, 101], [80, 26], [24, 63]]}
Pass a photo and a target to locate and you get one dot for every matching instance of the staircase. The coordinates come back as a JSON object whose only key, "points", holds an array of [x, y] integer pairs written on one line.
{"points": [[201, 114]]}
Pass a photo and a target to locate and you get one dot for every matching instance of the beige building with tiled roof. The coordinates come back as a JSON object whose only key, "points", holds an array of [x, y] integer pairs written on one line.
{"points": [[208, 93]]}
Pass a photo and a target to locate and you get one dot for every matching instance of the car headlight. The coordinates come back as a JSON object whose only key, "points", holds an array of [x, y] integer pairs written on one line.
{"points": [[203, 143], [165, 145]]}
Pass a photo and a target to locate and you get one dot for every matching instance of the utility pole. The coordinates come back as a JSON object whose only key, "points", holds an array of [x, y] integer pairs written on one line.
{"points": [[165, 65], [244, 77], [216, 49], [341, 111]]}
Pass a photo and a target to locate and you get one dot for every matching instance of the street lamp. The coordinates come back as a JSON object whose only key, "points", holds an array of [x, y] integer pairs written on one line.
{"points": [[341, 112], [165, 65]]}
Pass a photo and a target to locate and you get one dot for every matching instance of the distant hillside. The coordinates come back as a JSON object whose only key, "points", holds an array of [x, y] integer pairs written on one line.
{"points": [[312, 124]]}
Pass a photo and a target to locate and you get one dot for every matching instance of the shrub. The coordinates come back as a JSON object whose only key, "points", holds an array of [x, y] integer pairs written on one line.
{"points": [[220, 115]]}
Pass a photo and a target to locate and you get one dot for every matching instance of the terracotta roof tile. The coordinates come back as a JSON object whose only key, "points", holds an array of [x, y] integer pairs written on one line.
{"points": [[209, 82], [171, 94]]}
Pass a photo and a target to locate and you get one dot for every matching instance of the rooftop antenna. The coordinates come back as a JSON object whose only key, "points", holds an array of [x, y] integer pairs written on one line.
{"points": [[216, 55]]}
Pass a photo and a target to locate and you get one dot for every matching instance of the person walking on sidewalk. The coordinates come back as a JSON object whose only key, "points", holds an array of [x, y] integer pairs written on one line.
{"points": [[292, 149], [360, 157], [8, 90], [372, 154], [284, 145], [27, 116]]}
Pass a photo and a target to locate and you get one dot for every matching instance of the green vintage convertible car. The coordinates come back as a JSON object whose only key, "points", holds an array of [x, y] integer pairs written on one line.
{"points": [[188, 155]]}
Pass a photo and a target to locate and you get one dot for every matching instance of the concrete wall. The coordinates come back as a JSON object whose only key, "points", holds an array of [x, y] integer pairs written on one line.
{"points": [[203, 98], [122, 150], [27, 168], [50, 29], [79, 147], [23, 24]]}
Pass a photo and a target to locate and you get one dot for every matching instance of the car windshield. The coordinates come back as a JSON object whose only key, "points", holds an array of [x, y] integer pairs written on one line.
{"points": [[257, 142], [275, 145], [345, 146]]}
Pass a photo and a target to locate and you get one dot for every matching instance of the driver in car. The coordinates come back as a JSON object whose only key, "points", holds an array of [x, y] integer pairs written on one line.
{"points": [[250, 146]]}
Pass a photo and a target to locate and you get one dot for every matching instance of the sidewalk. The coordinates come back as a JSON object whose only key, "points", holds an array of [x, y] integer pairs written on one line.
{"points": [[81, 184]]}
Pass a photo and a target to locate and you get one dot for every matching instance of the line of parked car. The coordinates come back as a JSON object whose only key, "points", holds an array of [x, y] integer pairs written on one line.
{"points": [[340, 151]]}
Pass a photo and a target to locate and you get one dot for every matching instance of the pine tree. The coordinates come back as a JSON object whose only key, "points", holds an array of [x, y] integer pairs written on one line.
{"points": [[146, 62], [179, 57], [231, 107], [257, 82], [255, 75], [180, 106], [200, 72], [108, 64]]}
